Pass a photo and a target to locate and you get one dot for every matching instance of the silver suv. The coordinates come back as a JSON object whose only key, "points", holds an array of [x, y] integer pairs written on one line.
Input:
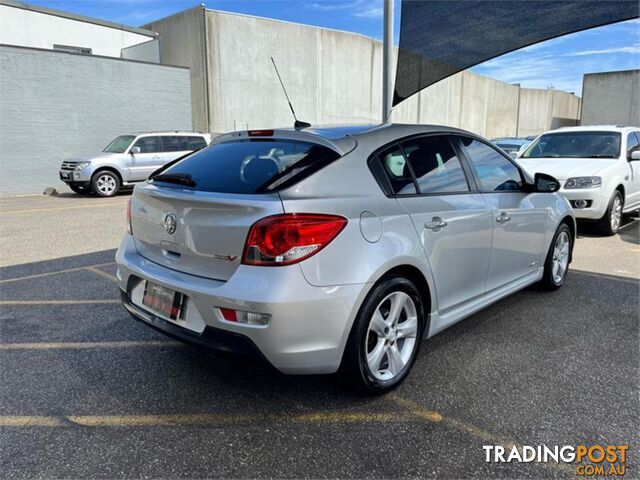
{"points": [[337, 249], [128, 159]]}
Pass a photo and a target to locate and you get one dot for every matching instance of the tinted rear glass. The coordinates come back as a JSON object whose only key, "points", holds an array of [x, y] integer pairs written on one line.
{"points": [[250, 166]]}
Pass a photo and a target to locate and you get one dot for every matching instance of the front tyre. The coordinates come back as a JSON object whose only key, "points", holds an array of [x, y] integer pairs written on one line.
{"points": [[609, 224], [556, 264], [385, 337], [105, 184]]}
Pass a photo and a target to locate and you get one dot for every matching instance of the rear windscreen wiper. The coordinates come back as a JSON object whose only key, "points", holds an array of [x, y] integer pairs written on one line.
{"points": [[180, 178]]}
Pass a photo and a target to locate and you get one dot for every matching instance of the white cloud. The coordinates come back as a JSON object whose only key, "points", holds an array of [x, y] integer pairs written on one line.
{"points": [[354, 8], [605, 51]]}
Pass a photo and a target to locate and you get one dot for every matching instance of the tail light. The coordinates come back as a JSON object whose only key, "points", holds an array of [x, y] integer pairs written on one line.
{"points": [[129, 227], [290, 238]]}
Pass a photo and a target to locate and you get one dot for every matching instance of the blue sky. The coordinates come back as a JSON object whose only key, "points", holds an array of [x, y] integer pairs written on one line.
{"points": [[559, 63]]}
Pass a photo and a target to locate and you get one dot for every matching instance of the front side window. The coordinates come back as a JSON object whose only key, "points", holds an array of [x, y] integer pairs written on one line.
{"points": [[119, 144], [248, 166], [494, 171], [575, 145], [435, 165], [149, 144]]}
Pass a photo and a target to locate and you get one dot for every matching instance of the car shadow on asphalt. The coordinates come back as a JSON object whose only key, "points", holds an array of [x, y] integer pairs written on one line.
{"points": [[629, 230]]}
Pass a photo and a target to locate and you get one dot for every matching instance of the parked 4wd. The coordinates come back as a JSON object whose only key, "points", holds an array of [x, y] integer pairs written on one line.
{"points": [[598, 167], [128, 159]]}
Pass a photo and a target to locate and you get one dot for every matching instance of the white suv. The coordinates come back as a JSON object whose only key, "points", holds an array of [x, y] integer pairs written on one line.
{"points": [[128, 159], [598, 168]]}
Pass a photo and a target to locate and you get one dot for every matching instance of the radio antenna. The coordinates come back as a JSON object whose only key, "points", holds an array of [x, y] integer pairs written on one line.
{"points": [[297, 123]]}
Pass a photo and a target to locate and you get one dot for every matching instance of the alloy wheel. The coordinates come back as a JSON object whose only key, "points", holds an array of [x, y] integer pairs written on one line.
{"points": [[391, 336], [616, 213], [560, 257], [106, 184]]}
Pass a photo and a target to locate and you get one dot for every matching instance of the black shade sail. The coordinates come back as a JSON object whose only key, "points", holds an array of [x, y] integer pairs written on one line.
{"points": [[441, 37]]}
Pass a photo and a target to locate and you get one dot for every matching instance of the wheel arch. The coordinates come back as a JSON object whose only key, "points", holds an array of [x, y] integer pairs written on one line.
{"points": [[108, 169], [620, 188], [415, 276], [570, 222]]}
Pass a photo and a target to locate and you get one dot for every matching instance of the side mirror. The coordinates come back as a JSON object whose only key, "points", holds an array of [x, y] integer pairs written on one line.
{"points": [[545, 183], [513, 154], [635, 156], [134, 150]]}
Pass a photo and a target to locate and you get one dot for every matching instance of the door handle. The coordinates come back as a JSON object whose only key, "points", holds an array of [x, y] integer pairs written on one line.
{"points": [[436, 224], [503, 218]]}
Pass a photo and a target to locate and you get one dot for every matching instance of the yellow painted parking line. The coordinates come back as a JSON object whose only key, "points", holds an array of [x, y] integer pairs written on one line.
{"points": [[462, 426], [46, 274], [200, 419], [88, 345], [416, 409], [106, 275], [53, 209], [58, 302], [29, 421]]}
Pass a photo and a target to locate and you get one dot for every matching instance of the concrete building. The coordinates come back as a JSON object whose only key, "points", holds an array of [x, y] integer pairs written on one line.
{"points": [[38, 27], [69, 85], [331, 77], [611, 98]]}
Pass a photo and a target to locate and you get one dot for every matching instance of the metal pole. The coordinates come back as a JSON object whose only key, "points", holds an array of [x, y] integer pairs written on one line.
{"points": [[387, 60]]}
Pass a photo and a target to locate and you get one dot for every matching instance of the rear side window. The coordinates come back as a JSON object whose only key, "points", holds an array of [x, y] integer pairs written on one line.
{"points": [[196, 143], [397, 170], [494, 171], [435, 165], [250, 166], [633, 143], [149, 144], [175, 143]]}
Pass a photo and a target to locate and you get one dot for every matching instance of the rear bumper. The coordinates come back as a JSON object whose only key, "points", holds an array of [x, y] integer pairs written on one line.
{"points": [[220, 342], [309, 325]]}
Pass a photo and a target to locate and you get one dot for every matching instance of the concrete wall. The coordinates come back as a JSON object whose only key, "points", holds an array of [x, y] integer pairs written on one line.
{"points": [[335, 77], [143, 52], [54, 105], [489, 107], [611, 98], [182, 43], [28, 28], [328, 74]]}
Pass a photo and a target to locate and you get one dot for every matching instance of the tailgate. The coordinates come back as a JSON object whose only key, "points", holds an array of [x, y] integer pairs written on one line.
{"points": [[200, 233]]}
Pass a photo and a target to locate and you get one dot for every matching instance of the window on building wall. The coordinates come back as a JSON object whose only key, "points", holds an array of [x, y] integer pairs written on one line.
{"points": [[72, 49]]}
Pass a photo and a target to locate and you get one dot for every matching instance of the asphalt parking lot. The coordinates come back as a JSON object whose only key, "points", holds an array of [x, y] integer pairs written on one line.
{"points": [[87, 392]]}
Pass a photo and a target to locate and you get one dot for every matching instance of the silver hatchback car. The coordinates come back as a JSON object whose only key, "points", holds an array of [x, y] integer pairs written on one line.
{"points": [[332, 249]]}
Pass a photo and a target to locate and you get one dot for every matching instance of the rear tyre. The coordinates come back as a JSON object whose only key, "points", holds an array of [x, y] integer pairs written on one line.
{"points": [[105, 184], [556, 264], [385, 337], [79, 189], [609, 224]]}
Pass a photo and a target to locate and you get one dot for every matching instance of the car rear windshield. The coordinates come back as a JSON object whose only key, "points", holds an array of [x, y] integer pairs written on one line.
{"points": [[246, 166], [119, 144], [575, 145]]}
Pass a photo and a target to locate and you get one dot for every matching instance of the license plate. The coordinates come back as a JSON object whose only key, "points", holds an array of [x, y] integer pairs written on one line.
{"points": [[162, 300]]}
